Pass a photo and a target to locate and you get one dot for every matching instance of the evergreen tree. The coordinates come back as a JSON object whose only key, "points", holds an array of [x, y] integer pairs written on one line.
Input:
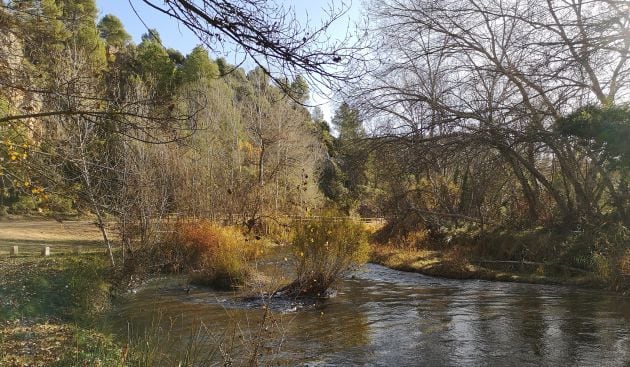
{"points": [[299, 90], [198, 65], [154, 64], [347, 123], [176, 57], [79, 17], [152, 35], [113, 32]]}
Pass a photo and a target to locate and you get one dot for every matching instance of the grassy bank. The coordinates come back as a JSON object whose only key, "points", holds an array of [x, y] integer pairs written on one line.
{"points": [[50, 306], [48, 309], [597, 258], [453, 264]]}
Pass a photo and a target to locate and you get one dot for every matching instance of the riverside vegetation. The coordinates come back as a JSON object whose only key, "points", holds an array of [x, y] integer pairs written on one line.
{"points": [[50, 303], [137, 134]]}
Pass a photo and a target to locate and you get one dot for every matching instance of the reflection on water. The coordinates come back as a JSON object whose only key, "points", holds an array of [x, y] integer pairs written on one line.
{"points": [[383, 317]]}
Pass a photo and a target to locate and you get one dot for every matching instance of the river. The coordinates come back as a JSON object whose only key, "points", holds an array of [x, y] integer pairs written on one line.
{"points": [[384, 317]]}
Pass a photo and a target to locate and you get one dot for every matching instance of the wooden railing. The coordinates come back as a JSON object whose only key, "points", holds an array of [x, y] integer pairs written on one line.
{"points": [[234, 218]]}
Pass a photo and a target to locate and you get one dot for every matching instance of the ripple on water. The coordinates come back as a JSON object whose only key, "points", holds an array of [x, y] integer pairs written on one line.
{"points": [[383, 317]]}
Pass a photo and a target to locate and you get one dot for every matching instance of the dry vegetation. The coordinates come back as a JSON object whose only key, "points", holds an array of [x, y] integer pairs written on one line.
{"points": [[53, 344], [538, 256], [453, 264], [325, 250], [211, 254]]}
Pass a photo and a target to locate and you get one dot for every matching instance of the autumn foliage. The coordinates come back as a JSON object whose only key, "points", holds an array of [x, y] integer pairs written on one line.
{"points": [[325, 250], [212, 254]]}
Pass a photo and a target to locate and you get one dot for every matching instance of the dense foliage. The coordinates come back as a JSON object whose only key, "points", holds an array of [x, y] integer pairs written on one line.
{"points": [[93, 123], [490, 116], [474, 118]]}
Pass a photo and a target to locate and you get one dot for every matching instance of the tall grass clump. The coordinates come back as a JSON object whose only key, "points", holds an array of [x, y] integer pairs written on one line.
{"points": [[325, 249], [610, 245], [213, 255]]}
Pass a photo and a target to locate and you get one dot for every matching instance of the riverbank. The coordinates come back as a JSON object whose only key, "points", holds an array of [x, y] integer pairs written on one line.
{"points": [[54, 309], [454, 264], [49, 309]]}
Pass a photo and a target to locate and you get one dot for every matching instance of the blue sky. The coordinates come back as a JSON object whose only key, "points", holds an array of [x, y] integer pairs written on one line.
{"points": [[180, 38], [172, 34]]}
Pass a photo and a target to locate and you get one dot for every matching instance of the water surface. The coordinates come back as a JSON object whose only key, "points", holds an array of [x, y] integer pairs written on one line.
{"points": [[383, 317]]}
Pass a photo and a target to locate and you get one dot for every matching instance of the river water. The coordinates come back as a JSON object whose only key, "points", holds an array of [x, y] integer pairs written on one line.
{"points": [[384, 317]]}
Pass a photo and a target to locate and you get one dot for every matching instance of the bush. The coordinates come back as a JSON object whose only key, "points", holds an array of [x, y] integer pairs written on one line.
{"points": [[213, 255], [325, 250], [60, 205], [610, 243], [411, 232], [24, 205]]}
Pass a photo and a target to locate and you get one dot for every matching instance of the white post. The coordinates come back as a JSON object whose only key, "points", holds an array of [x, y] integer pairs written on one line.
{"points": [[14, 251], [45, 251]]}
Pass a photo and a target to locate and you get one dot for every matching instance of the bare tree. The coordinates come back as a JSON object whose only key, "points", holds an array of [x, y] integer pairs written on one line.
{"points": [[501, 75]]}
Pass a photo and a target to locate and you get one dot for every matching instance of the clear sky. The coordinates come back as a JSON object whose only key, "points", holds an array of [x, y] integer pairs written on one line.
{"points": [[179, 37]]}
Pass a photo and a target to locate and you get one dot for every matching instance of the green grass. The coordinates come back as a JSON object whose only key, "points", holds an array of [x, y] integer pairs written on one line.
{"points": [[91, 348], [47, 307], [64, 287]]}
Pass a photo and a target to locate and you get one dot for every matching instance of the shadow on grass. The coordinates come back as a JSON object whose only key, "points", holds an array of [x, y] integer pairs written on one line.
{"points": [[65, 287]]}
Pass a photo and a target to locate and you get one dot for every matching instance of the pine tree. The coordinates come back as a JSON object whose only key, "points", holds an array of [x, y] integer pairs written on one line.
{"points": [[113, 32], [198, 65]]}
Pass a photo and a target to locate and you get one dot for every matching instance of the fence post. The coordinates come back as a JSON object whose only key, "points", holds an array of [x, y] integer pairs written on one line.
{"points": [[14, 251], [45, 250]]}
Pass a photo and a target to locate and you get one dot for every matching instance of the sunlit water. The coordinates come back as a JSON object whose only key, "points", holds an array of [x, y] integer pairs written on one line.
{"points": [[383, 317]]}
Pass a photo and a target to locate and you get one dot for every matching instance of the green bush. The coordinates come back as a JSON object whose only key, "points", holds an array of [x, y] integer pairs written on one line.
{"points": [[23, 205], [325, 249], [60, 204]]}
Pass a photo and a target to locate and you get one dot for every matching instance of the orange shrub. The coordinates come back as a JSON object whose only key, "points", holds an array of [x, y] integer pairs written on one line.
{"points": [[212, 254]]}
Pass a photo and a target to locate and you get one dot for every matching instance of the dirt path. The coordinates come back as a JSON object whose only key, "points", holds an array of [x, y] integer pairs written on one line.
{"points": [[30, 235]]}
